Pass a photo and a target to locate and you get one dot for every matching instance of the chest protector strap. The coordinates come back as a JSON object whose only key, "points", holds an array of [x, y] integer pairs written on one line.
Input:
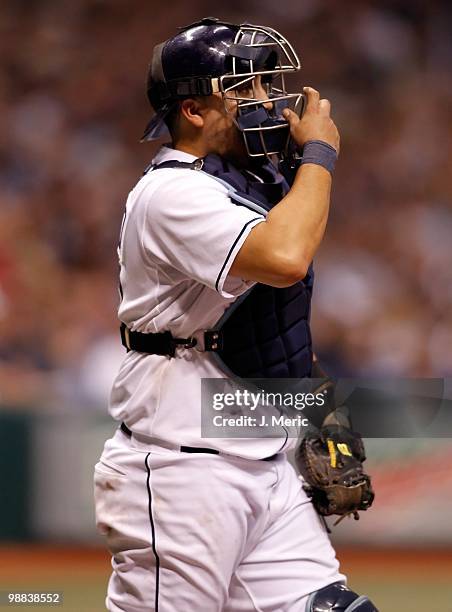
{"points": [[265, 333]]}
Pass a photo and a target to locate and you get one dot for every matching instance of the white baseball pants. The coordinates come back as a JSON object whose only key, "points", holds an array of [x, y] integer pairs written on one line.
{"points": [[207, 533]]}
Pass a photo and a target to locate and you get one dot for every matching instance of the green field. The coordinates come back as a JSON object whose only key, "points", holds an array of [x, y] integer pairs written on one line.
{"points": [[397, 595], [397, 582]]}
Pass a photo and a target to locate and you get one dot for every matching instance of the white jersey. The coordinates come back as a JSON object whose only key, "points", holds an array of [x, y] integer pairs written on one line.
{"points": [[180, 235]]}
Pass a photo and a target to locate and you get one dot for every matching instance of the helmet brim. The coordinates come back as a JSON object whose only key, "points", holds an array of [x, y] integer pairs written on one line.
{"points": [[157, 128]]}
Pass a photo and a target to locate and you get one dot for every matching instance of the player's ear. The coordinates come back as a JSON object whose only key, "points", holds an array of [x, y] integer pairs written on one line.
{"points": [[192, 110]]}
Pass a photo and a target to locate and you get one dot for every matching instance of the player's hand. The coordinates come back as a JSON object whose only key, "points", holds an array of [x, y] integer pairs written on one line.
{"points": [[316, 122]]}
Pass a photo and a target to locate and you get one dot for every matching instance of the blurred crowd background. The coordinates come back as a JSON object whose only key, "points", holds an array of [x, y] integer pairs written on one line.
{"points": [[72, 111]]}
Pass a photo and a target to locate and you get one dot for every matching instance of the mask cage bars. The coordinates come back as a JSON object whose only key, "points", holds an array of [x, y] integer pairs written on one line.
{"points": [[285, 53]]}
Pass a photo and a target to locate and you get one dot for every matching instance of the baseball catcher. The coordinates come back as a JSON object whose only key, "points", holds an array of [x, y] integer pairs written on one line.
{"points": [[216, 276]]}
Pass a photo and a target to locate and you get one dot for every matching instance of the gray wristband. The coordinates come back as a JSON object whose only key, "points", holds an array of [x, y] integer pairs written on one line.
{"points": [[320, 153]]}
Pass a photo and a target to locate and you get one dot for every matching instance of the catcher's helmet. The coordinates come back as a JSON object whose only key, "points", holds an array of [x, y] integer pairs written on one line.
{"points": [[211, 56]]}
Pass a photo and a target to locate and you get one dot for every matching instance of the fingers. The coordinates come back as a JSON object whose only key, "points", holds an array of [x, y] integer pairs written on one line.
{"points": [[314, 103], [315, 123], [290, 116], [325, 106], [312, 98]]}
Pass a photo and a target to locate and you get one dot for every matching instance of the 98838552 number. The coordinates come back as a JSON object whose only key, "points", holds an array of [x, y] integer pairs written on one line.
{"points": [[30, 598]]}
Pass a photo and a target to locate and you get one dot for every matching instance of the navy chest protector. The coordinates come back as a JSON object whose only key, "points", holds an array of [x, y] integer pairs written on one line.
{"points": [[265, 333]]}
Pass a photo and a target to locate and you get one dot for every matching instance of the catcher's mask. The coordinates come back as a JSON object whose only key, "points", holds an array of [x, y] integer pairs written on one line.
{"points": [[211, 56]]}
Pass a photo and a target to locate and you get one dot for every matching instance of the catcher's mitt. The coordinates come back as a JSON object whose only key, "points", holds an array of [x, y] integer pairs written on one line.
{"points": [[331, 464]]}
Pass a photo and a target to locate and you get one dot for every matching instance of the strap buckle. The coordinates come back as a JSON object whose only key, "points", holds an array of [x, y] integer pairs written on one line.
{"points": [[172, 343]]}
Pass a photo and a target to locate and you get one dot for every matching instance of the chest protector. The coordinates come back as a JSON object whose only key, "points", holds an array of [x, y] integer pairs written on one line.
{"points": [[265, 333]]}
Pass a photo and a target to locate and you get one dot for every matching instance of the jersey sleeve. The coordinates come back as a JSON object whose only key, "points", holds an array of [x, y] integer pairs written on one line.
{"points": [[192, 225]]}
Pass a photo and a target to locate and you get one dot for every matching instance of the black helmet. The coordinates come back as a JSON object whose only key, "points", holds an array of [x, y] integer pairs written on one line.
{"points": [[211, 56]]}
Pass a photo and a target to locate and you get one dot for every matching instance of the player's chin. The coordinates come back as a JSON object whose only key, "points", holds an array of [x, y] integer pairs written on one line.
{"points": [[236, 152]]}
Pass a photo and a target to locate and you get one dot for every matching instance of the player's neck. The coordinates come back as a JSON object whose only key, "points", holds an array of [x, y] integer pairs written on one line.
{"points": [[196, 148]]}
